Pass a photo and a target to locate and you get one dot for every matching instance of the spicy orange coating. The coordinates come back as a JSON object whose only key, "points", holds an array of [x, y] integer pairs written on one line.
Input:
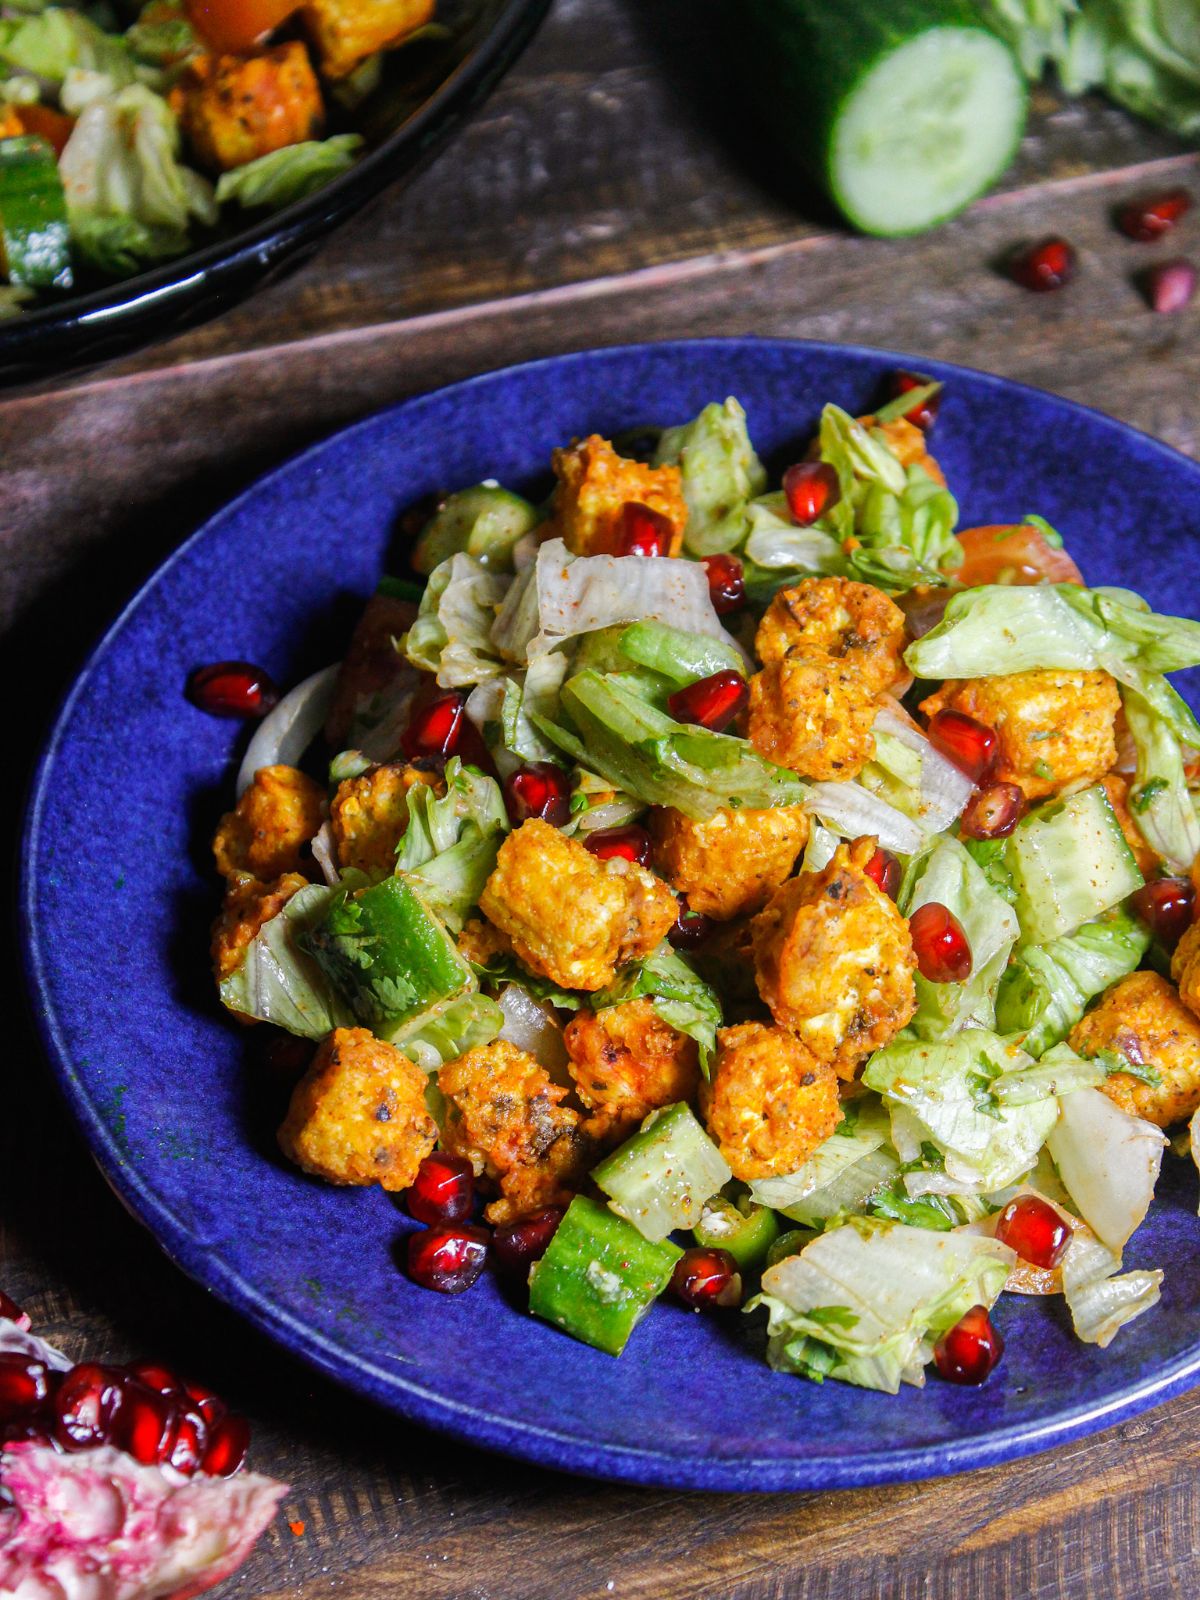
{"points": [[233, 108], [480, 943], [248, 904], [728, 864], [909, 444], [345, 32], [626, 1062], [595, 483], [854, 623], [1185, 968], [369, 814], [1143, 1019], [814, 715], [266, 833], [770, 1103]]}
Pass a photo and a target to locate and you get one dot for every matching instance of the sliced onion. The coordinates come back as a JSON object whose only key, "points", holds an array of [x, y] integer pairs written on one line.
{"points": [[945, 788], [1109, 1162], [852, 811], [323, 848], [615, 814], [531, 1025], [286, 733]]}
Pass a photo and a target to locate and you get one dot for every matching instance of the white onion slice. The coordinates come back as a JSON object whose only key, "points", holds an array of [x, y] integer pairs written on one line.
{"points": [[945, 788], [852, 811], [286, 733], [1109, 1162], [531, 1025], [322, 849]]}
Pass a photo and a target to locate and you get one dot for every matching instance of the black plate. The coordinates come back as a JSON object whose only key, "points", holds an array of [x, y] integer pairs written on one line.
{"points": [[428, 88]]}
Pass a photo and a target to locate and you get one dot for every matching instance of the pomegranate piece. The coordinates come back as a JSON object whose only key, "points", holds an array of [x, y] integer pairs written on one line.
{"points": [[155, 1376], [87, 1405], [10, 1311], [1167, 907], [971, 745], [1148, 218], [448, 1259], [435, 727], [1035, 1230], [692, 928], [227, 1446], [443, 1189], [1049, 264], [812, 488], [207, 1402], [924, 414], [1170, 286], [190, 1442], [726, 583], [25, 1384], [643, 531], [970, 1349], [538, 790], [939, 944], [232, 689], [519, 1244], [884, 870], [146, 1424], [630, 844], [713, 702], [707, 1279], [992, 812]]}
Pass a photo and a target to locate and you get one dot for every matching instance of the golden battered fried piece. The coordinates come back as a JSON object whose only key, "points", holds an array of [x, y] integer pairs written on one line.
{"points": [[813, 715], [1055, 729], [358, 1115], [233, 109], [1185, 968], [1143, 1019], [11, 126], [595, 484], [503, 1115], [573, 918], [728, 865], [481, 943], [626, 1062], [852, 622], [369, 814], [372, 663], [247, 905], [1116, 787], [835, 961], [345, 32], [770, 1102], [264, 834]]}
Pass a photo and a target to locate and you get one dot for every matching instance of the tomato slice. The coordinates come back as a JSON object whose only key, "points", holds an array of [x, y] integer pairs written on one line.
{"points": [[1019, 554], [47, 124], [233, 25]]}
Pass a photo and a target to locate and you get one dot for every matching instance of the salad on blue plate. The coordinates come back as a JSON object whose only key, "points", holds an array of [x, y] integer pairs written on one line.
{"points": [[761, 891]]}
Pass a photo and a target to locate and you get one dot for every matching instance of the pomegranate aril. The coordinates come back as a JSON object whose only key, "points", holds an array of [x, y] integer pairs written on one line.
{"points": [[1170, 286], [1167, 907], [87, 1405], [1149, 218], [25, 1384], [924, 414], [155, 1376], [207, 1402], [706, 1279], [232, 689], [447, 1259], [519, 1244], [435, 727], [811, 488], [1035, 1230], [538, 790], [147, 1423], [971, 745], [712, 702], [227, 1446], [443, 1189], [883, 869], [1047, 265], [726, 583], [691, 928], [939, 944], [644, 531], [992, 812], [10, 1311], [630, 844], [969, 1350], [190, 1442]]}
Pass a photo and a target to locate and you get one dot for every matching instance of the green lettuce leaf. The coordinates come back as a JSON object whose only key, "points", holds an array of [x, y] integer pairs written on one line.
{"points": [[276, 180], [450, 844], [461, 1025], [779, 552], [681, 997], [720, 473], [50, 43], [1046, 989], [278, 981], [452, 635], [1159, 800]]}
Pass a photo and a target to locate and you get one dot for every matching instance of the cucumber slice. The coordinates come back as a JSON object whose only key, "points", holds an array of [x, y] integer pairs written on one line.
{"points": [[660, 1179], [1069, 863], [485, 521], [683, 657], [905, 111], [35, 239], [747, 1235]]}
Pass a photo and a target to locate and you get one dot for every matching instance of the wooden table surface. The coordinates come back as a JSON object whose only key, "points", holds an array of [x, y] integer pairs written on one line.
{"points": [[607, 193]]}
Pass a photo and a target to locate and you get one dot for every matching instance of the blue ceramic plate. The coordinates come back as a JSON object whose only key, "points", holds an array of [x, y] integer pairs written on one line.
{"points": [[118, 895]]}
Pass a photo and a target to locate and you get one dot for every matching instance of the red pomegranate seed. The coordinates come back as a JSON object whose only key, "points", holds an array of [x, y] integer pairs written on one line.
{"points": [[87, 1405], [924, 414], [706, 1279], [712, 702], [1149, 218], [519, 1244], [1170, 286], [812, 488], [643, 531], [1167, 907], [726, 583], [10, 1311], [884, 870], [992, 812], [538, 790], [691, 928], [447, 1259], [227, 1446], [25, 1384], [190, 1442], [630, 844], [435, 727], [971, 745], [1035, 1230], [147, 1423], [155, 1376], [207, 1402], [443, 1189], [1047, 265], [939, 943], [970, 1349], [232, 689]]}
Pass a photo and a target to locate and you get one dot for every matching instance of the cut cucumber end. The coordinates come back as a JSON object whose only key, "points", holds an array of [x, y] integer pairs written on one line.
{"points": [[930, 127]]}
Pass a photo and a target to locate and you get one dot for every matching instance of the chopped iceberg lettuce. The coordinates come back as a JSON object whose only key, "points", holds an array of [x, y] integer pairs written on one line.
{"points": [[272, 181], [48, 44], [1109, 1162], [720, 473], [452, 635], [1047, 987], [681, 997], [1100, 1302], [1159, 800], [449, 846], [784, 550], [802, 1195], [278, 981], [453, 1029]]}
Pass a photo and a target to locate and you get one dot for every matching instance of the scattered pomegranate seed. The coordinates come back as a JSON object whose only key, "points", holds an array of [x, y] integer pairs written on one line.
{"points": [[939, 943], [538, 790], [87, 1405], [146, 1424], [884, 870], [691, 928], [25, 1384], [519, 1244], [207, 1402], [631, 843], [707, 1279], [992, 812], [227, 1446], [1170, 286], [447, 1259], [10, 1311], [1035, 1230], [1047, 265], [712, 702], [643, 531], [190, 1441], [970, 1349], [924, 414], [1149, 218], [726, 583], [443, 1189], [812, 488], [435, 727], [232, 689], [155, 1376], [1167, 907], [971, 745]]}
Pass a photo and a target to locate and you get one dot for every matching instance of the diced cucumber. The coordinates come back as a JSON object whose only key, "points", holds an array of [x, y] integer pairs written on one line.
{"points": [[660, 1179], [1069, 862], [599, 1277], [485, 521], [683, 657], [35, 239], [747, 1234]]}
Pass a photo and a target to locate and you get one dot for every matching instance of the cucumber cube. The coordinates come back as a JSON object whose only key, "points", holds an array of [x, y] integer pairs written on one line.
{"points": [[660, 1179], [747, 1235], [1069, 863]]}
